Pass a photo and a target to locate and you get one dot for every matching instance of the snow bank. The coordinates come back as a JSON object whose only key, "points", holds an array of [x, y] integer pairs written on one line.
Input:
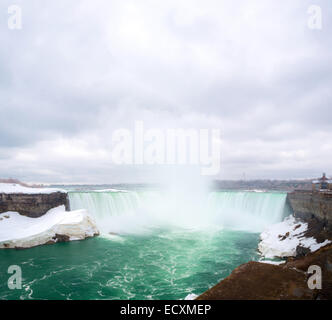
{"points": [[17, 188], [191, 296], [24, 232], [281, 239], [277, 263]]}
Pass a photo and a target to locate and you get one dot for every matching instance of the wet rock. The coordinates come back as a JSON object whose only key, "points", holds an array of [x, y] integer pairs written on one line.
{"points": [[296, 227], [302, 251], [309, 205], [32, 205], [61, 238], [282, 238]]}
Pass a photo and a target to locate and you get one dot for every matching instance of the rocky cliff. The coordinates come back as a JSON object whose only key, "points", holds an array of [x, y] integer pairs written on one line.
{"points": [[289, 281], [32, 205], [309, 205]]}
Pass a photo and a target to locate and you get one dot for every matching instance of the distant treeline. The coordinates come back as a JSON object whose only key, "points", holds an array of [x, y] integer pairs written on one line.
{"points": [[16, 181], [280, 185]]}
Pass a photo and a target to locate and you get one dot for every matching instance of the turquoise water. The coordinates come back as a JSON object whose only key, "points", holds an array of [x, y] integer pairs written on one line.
{"points": [[152, 246], [164, 264]]}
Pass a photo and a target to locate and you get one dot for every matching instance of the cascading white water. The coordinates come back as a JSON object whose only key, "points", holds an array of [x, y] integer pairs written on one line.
{"points": [[106, 204], [124, 211], [113, 211], [248, 210]]}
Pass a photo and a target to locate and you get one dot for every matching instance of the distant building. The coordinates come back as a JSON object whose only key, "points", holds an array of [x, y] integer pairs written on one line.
{"points": [[322, 183]]}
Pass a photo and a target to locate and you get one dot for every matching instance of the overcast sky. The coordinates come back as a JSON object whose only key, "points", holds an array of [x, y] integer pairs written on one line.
{"points": [[77, 70]]}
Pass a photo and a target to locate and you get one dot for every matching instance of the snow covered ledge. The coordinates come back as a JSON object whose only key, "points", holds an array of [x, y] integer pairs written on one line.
{"points": [[17, 231], [282, 239], [15, 188]]}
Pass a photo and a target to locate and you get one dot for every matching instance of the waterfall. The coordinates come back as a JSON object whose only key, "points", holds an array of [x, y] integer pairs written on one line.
{"points": [[248, 210], [105, 204], [123, 211]]}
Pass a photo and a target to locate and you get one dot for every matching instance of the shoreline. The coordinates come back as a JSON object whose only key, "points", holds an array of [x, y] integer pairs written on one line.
{"points": [[288, 281], [305, 243], [304, 236]]}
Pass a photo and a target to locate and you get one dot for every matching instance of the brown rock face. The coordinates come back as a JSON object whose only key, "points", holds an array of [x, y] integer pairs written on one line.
{"points": [[32, 205], [259, 281], [61, 238], [323, 259], [309, 205]]}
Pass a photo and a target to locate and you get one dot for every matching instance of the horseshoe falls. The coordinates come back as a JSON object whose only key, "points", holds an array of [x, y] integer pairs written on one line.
{"points": [[250, 211], [153, 245]]}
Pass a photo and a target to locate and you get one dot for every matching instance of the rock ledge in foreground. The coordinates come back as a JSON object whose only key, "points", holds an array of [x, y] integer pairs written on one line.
{"points": [[260, 281]]}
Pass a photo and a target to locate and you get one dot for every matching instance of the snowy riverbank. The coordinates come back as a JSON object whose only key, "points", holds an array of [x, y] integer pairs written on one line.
{"points": [[17, 231], [282, 239], [281, 280], [10, 188]]}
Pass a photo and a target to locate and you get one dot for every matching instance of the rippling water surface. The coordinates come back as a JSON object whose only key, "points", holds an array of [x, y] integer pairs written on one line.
{"points": [[161, 264]]}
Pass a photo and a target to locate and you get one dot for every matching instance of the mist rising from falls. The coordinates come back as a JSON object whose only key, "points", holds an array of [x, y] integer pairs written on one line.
{"points": [[126, 212]]}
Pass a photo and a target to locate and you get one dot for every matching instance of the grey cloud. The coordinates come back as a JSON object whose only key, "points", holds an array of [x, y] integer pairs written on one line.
{"points": [[80, 70]]}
